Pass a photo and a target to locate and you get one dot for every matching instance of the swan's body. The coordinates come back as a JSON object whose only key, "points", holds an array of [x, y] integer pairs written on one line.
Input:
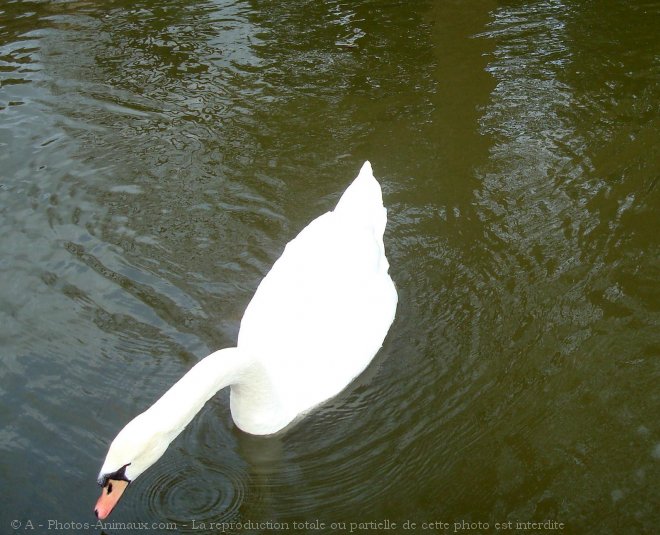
{"points": [[314, 324]]}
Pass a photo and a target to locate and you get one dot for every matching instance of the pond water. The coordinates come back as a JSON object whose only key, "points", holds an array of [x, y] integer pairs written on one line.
{"points": [[155, 157]]}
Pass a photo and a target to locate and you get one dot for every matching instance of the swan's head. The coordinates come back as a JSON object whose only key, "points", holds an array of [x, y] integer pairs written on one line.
{"points": [[134, 449]]}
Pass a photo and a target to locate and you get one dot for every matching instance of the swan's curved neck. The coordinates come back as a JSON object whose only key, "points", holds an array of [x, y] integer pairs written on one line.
{"points": [[179, 405], [146, 437]]}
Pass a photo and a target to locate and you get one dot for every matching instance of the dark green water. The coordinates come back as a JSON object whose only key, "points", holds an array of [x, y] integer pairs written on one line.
{"points": [[155, 157]]}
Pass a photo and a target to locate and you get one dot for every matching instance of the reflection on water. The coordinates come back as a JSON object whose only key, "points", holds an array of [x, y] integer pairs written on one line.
{"points": [[155, 157]]}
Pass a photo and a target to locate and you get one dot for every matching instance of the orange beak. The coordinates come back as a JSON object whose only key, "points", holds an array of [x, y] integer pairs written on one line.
{"points": [[110, 495]]}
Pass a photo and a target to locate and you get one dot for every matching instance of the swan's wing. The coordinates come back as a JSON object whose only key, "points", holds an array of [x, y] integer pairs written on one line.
{"points": [[322, 312]]}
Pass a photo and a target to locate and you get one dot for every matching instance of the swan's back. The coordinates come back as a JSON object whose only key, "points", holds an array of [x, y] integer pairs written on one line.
{"points": [[322, 312]]}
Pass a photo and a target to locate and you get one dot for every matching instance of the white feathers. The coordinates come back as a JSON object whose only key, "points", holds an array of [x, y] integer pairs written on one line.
{"points": [[314, 324], [322, 312]]}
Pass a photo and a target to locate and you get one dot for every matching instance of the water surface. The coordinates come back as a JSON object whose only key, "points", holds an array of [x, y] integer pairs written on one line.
{"points": [[155, 157]]}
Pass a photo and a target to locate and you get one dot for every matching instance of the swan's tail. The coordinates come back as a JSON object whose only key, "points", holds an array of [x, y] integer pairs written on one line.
{"points": [[363, 201]]}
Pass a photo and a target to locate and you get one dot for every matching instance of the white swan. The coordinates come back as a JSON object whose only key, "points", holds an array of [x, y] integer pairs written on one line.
{"points": [[314, 324]]}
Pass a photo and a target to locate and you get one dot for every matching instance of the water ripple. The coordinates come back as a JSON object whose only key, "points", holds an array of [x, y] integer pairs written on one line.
{"points": [[182, 489]]}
